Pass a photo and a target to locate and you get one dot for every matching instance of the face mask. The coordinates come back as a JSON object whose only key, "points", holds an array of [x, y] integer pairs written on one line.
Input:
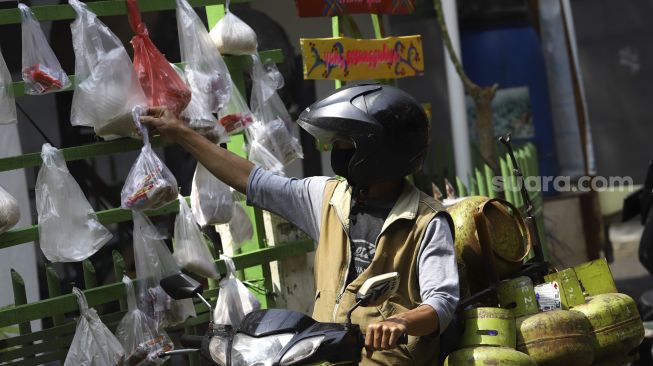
{"points": [[340, 159]]}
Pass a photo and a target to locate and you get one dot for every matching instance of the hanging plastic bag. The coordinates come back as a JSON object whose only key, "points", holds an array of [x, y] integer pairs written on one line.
{"points": [[107, 86], [149, 184], [234, 299], [93, 343], [235, 116], [161, 84], [9, 211], [41, 70], [153, 262], [261, 149], [206, 71], [138, 334], [232, 36], [276, 131], [69, 230], [240, 226], [7, 101], [190, 250], [211, 200]]}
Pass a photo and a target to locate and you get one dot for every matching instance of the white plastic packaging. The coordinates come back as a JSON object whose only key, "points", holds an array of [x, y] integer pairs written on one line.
{"points": [[41, 70], [9, 211], [107, 87], [93, 343], [7, 100], [211, 200], [235, 116], [69, 230], [232, 36], [153, 262], [190, 250], [240, 226], [234, 299]]}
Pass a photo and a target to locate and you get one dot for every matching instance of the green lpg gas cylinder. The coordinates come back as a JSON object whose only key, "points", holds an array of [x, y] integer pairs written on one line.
{"points": [[488, 327], [556, 338], [617, 328], [488, 356], [518, 295]]}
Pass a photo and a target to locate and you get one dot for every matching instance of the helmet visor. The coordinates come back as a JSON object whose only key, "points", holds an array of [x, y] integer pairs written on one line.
{"points": [[322, 135]]}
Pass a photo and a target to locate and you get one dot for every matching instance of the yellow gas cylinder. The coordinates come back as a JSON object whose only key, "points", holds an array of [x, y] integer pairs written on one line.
{"points": [[556, 338], [617, 328], [488, 356]]}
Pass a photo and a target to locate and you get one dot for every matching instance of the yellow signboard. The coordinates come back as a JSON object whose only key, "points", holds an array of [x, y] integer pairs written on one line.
{"points": [[362, 59]]}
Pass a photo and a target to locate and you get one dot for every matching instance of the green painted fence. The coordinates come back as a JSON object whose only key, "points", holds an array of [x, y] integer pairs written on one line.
{"points": [[51, 344]]}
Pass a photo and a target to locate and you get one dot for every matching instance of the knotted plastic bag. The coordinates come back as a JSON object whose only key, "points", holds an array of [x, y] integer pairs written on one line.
{"points": [[107, 86], [206, 72], [69, 230], [9, 211], [153, 262], [233, 36], [234, 299], [160, 82], [190, 250], [93, 343], [7, 101], [41, 70], [149, 184], [276, 133], [138, 334], [211, 200], [235, 116]]}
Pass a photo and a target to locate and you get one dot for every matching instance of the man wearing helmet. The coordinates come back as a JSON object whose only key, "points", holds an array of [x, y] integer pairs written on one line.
{"points": [[368, 222]]}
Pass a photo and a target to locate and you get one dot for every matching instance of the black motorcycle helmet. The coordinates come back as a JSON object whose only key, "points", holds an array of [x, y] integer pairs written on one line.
{"points": [[388, 127]]}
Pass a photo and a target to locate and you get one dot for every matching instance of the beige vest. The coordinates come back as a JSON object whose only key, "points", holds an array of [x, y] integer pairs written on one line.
{"points": [[397, 249]]}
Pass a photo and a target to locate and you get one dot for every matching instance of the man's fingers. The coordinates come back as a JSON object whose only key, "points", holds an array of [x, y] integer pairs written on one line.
{"points": [[148, 119], [369, 341], [156, 111], [385, 339], [378, 337], [394, 335]]}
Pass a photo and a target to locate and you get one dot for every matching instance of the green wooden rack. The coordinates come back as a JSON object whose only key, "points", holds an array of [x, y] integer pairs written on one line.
{"points": [[51, 344]]}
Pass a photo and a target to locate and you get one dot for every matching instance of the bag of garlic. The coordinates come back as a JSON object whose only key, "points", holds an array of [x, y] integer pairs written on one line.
{"points": [[190, 250], [9, 211], [107, 87], [232, 36]]}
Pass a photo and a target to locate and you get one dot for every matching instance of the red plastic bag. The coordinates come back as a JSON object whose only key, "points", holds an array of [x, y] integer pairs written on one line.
{"points": [[162, 85]]}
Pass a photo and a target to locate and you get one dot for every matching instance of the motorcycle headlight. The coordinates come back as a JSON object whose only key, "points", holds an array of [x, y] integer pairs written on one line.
{"points": [[246, 350], [302, 350], [218, 350]]}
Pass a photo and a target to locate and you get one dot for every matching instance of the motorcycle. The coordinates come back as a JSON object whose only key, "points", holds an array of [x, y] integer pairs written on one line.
{"points": [[279, 337]]}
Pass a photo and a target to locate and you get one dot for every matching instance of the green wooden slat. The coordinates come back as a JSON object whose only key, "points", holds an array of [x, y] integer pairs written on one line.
{"points": [[473, 187], [513, 182], [460, 186], [90, 278], [480, 181], [48, 345], [41, 359], [118, 272], [101, 8], [489, 176], [507, 186], [20, 298], [54, 290], [112, 292]]}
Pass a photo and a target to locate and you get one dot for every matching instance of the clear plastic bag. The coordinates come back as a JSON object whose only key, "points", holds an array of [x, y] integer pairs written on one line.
{"points": [[206, 71], [41, 70], [160, 82], [9, 211], [7, 100], [93, 343], [138, 334], [234, 299], [107, 87], [210, 199], [275, 132], [190, 250], [233, 36], [149, 184], [69, 230], [153, 262], [235, 116], [240, 226]]}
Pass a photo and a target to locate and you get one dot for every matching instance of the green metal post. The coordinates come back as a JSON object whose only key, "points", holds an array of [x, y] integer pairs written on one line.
{"points": [[335, 32], [20, 298], [54, 290], [489, 178], [118, 272]]}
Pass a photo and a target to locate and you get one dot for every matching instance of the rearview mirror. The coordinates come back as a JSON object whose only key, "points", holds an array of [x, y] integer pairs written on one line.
{"points": [[378, 289], [180, 286]]}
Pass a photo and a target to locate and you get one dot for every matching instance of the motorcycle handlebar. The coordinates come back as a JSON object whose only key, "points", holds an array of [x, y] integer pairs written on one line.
{"points": [[193, 341]]}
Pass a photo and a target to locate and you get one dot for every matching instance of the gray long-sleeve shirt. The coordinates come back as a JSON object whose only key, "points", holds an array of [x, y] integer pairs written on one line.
{"points": [[300, 202]]}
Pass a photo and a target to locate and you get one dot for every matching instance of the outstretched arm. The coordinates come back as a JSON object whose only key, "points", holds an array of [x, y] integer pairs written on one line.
{"points": [[225, 165]]}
